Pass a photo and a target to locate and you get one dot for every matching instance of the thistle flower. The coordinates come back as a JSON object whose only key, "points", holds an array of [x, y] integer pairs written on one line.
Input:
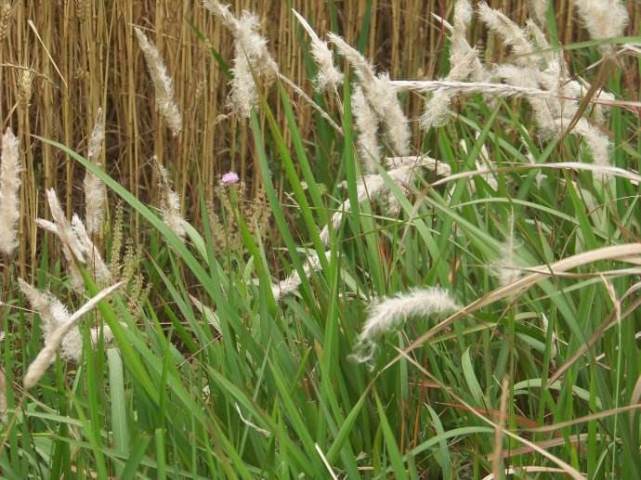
{"points": [[170, 203], [251, 57], [328, 76], [381, 95], [95, 190], [229, 178], [163, 83], [389, 313], [603, 18], [9, 189], [366, 123], [60, 329]]}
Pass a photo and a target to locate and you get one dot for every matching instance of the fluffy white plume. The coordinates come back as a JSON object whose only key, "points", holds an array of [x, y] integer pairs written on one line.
{"points": [[251, 57], [60, 329], [366, 123], [77, 246], [464, 63], [506, 267], [537, 10], [53, 315], [381, 95], [163, 84], [389, 313], [603, 18], [9, 192], [170, 203], [404, 171], [64, 230], [294, 280], [512, 34], [97, 265], [328, 75], [95, 190]]}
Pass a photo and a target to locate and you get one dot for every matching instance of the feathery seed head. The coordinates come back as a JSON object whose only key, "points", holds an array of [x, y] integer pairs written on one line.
{"points": [[170, 203], [94, 188], [389, 313], [328, 75], [366, 123], [251, 57], [603, 18], [65, 232], [9, 189], [163, 84]]}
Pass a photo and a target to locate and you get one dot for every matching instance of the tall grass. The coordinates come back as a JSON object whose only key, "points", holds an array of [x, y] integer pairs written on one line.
{"points": [[471, 314]]}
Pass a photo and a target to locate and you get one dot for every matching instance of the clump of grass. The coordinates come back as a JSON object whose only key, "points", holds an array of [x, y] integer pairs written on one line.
{"points": [[217, 370]]}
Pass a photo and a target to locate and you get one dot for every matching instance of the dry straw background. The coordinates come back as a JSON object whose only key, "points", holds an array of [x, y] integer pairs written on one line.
{"points": [[62, 60]]}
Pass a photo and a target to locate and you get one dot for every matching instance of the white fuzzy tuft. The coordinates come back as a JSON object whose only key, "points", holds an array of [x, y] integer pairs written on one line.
{"points": [[507, 267], [61, 329], [404, 172], [53, 314], [464, 62], [251, 57], [513, 35], [603, 18], [9, 188], [64, 230], [163, 84], [170, 203], [537, 10], [366, 123], [97, 265], [95, 190], [328, 75], [294, 280], [390, 313], [381, 94]]}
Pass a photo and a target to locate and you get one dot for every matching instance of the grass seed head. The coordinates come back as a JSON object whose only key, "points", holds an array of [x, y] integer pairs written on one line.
{"points": [[9, 192], [389, 313], [163, 84]]}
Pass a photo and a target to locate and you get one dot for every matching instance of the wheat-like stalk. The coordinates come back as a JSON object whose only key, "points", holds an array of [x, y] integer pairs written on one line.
{"points": [[163, 84]]}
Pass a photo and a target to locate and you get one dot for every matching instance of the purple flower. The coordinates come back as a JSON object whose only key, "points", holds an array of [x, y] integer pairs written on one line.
{"points": [[230, 178]]}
